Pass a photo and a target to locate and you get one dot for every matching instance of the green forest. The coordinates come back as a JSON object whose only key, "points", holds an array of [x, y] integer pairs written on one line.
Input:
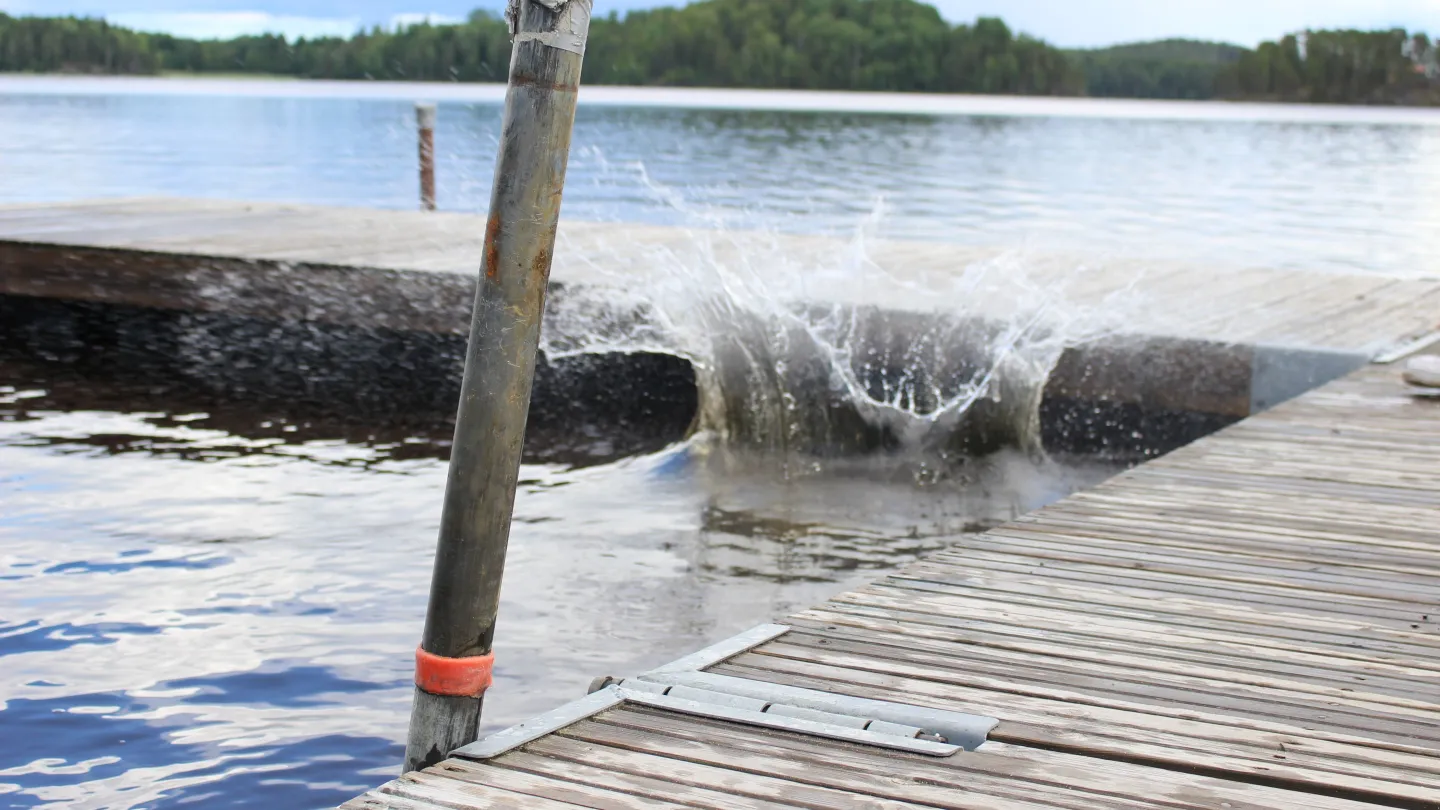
{"points": [[894, 45]]}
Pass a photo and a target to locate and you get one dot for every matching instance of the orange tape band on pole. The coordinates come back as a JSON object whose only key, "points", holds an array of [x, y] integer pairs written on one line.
{"points": [[453, 677]]}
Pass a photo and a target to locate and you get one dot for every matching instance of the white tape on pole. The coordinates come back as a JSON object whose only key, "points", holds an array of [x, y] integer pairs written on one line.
{"points": [[570, 29]]}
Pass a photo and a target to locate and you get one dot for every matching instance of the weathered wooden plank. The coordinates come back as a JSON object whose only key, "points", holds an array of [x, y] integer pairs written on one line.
{"points": [[1310, 576], [555, 758], [1299, 427], [1165, 740], [1282, 486], [716, 767], [1318, 306], [1172, 789], [1172, 504], [1411, 304], [1339, 632], [1232, 588], [88, 210], [1165, 639], [1066, 781], [1246, 306], [1348, 719], [1317, 674], [376, 800], [537, 776], [1006, 604], [1353, 540], [156, 228], [1097, 714], [1281, 467], [1121, 624], [429, 789], [331, 245], [1374, 536], [888, 779], [1392, 467], [1080, 654], [1270, 550]]}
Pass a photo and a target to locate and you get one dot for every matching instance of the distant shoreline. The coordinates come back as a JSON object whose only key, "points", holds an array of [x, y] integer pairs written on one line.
{"points": [[836, 45], [190, 74], [721, 99]]}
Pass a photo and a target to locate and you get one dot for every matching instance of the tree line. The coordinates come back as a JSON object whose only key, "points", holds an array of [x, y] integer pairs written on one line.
{"points": [[1344, 67], [894, 45]]}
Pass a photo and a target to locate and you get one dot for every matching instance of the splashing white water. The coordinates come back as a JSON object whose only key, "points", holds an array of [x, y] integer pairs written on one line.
{"points": [[823, 346]]}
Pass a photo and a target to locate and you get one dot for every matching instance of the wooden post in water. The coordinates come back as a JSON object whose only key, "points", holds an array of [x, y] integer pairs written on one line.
{"points": [[453, 664], [425, 119]]}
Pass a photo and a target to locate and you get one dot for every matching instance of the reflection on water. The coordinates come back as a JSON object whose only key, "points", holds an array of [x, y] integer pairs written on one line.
{"points": [[217, 608], [1219, 184]]}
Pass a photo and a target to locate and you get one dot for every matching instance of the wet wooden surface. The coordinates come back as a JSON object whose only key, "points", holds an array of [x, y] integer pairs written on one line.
{"points": [[192, 253], [1252, 621]]}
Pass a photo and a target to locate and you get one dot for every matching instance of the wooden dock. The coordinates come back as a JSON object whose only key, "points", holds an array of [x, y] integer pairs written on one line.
{"points": [[414, 270], [1250, 622], [1217, 343]]}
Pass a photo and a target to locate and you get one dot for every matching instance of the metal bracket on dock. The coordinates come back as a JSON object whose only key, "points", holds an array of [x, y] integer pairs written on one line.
{"points": [[1404, 350], [681, 686]]}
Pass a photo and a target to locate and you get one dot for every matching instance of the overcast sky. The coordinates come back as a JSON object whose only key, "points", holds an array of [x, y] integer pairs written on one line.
{"points": [[1063, 22]]}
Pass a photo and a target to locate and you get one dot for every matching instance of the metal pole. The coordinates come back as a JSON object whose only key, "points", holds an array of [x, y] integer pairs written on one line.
{"points": [[454, 659], [425, 118]]}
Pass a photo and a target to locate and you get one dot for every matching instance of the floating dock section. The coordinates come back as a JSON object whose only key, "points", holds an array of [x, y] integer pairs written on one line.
{"points": [[1196, 348]]}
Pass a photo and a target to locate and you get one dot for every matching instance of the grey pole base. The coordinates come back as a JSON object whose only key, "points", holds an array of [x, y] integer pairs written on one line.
{"points": [[438, 721]]}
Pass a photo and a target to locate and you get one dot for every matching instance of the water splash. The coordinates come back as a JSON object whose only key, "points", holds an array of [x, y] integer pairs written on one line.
{"points": [[820, 347]]}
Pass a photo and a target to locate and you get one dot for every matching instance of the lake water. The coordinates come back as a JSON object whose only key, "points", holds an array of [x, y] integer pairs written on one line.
{"points": [[220, 608], [224, 610], [1323, 188]]}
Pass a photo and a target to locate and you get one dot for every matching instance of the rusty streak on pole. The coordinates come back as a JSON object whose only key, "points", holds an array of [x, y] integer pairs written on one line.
{"points": [[549, 37], [425, 119]]}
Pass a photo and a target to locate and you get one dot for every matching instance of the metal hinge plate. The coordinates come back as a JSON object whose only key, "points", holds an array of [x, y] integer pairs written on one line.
{"points": [[682, 687]]}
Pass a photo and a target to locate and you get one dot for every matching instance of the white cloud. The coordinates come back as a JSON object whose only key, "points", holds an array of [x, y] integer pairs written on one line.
{"points": [[226, 24]]}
